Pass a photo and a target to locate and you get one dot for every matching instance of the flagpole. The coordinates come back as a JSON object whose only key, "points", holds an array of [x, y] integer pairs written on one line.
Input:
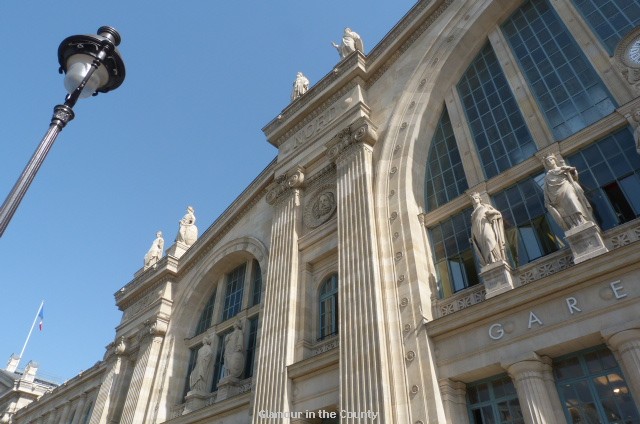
{"points": [[30, 331]]}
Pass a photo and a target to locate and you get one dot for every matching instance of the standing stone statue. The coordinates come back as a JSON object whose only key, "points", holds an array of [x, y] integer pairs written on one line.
{"points": [[636, 132], [487, 232], [300, 86], [188, 232], [563, 196], [351, 42], [234, 351], [155, 251], [198, 377]]}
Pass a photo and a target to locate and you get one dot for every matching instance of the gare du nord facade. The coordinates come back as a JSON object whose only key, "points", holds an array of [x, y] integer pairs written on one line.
{"points": [[350, 259]]}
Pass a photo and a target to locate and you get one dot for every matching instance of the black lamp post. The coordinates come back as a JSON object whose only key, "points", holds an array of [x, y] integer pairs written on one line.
{"points": [[92, 65]]}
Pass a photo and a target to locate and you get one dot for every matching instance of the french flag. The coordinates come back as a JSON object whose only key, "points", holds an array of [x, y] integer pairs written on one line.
{"points": [[41, 316]]}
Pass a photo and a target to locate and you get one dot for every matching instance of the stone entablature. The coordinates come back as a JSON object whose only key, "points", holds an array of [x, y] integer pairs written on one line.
{"points": [[601, 292]]}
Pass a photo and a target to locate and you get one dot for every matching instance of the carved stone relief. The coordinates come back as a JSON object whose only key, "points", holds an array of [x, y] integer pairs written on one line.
{"points": [[321, 206]]}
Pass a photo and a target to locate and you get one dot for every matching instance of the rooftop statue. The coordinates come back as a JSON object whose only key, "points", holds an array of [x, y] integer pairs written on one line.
{"points": [[155, 251], [300, 86], [188, 232], [351, 42]]}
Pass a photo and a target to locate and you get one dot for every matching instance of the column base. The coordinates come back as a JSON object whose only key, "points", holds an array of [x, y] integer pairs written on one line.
{"points": [[195, 401], [497, 278], [585, 241], [227, 387]]}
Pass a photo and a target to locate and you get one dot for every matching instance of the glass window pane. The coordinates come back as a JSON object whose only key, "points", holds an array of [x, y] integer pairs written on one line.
{"points": [[442, 164], [500, 138], [570, 93], [611, 20]]}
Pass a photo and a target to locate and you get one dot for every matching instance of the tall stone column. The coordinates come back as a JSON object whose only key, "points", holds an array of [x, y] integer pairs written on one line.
{"points": [[454, 401], [107, 393], [626, 344], [136, 403], [281, 290], [537, 403], [364, 380]]}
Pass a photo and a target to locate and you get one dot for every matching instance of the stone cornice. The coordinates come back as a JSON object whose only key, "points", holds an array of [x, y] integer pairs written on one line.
{"points": [[402, 36], [367, 68], [321, 95], [228, 219]]}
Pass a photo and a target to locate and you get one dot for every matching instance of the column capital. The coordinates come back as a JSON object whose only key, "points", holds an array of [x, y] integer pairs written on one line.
{"points": [[361, 131], [292, 179], [617, 340], [528, 363]]}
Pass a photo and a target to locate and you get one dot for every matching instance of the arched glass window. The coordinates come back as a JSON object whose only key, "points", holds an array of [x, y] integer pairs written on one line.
{"points": [[529, 229], [610, 176], [207, 314], [233, 294], [445, 179], [453, 256], [257, 284], [611, 20], [328, 298], [568, 90], [498, 128]]}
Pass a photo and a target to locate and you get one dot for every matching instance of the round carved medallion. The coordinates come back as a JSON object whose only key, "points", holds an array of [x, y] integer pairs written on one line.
{"points": [[321, 207]]}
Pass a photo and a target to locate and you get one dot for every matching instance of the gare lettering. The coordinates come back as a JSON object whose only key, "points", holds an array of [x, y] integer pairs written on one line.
{"points": [[497, 330]]}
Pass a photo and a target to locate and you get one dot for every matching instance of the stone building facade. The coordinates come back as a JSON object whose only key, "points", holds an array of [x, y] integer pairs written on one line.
{"points": [[348, 262]]}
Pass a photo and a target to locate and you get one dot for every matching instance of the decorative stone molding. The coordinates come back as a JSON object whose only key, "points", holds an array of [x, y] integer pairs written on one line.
{"points": [[284, 183], [628, 66], [385, 44], [361, 131]]}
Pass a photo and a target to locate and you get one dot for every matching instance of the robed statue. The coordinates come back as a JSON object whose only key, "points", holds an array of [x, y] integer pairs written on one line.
{"points": [[487, 232], [563, 196]]}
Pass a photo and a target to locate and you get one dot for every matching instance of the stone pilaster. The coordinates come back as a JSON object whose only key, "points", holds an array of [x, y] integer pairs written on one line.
{"points": [[272, 386], [107, 392], [626, 345], [136, 403], [79, 409], [364, 384], [454, 400], [536, 397], [64, 414]]}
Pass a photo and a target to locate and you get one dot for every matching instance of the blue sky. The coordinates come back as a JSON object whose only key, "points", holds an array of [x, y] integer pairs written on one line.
{"points": [[203, 78]]}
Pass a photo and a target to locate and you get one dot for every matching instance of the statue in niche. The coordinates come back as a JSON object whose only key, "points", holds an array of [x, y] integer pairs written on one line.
{"points": [[155, 251], [351, 42], [300, 86], [234, 351], [487, 232], [636, 132], [199, 376], [188, 232], [563, 196]]}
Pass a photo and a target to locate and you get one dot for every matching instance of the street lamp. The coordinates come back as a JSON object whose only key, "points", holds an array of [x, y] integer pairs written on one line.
{"points": [[92, 64]]}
